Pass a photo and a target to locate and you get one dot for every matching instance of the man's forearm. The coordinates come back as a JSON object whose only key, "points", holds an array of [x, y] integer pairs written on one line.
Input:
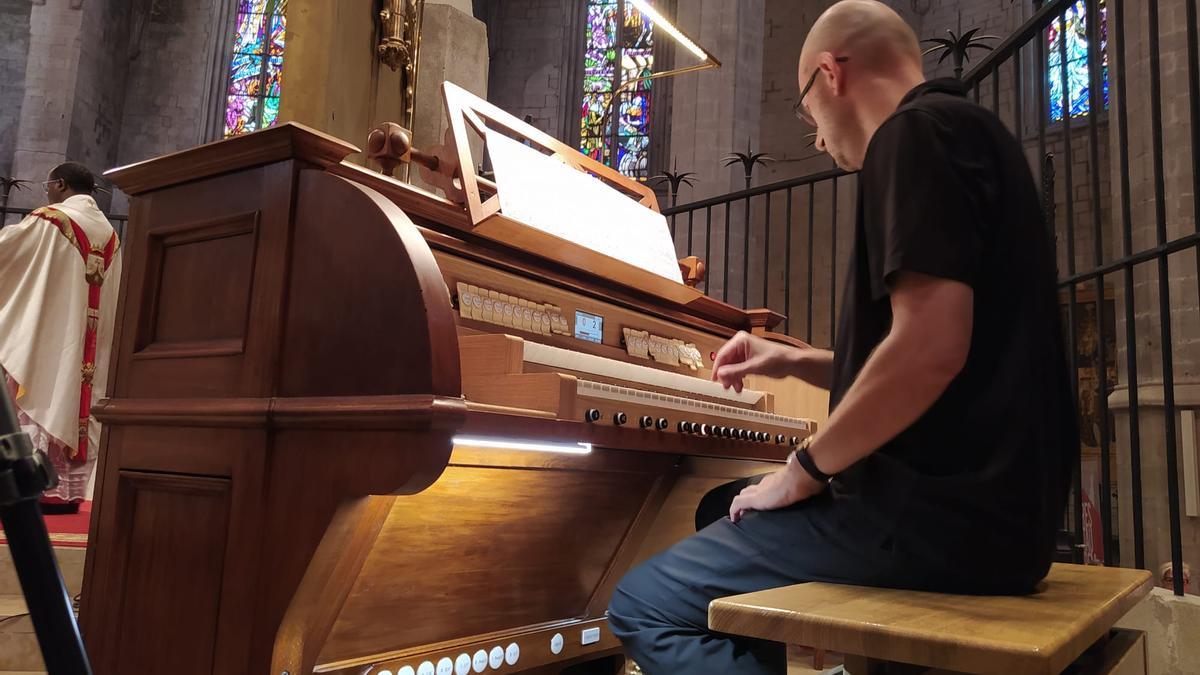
{"points": [[898, 383], [814, 366]]}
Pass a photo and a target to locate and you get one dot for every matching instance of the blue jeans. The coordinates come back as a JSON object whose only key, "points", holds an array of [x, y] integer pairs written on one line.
{"points": [[659, 611]]}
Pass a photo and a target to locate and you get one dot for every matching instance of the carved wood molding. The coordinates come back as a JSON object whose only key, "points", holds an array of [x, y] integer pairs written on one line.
{"points": [[375, 412]]}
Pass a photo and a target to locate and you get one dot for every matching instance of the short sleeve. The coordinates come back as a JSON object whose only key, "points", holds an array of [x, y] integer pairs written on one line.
{"points": [[923, 202]]}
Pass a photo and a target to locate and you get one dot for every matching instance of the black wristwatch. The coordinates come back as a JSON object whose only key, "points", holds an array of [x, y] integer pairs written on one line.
{"points": [[806, 462]]}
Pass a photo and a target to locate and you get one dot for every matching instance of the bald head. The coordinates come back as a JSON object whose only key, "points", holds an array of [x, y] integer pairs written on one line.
{"points": [[872, 32], [859, 61]]}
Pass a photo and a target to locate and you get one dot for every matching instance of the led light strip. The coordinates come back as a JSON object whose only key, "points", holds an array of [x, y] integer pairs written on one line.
{"points": [[532, 446]]}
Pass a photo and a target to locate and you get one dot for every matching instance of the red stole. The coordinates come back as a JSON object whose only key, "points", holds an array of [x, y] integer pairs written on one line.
{"points": [[96, 261]]}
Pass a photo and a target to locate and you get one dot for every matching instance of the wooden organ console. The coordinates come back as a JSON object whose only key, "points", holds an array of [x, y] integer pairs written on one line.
{"points": [[330, 389]]}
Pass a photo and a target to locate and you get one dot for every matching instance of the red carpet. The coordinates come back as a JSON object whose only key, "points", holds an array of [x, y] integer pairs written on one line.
{"points": [[67, 530]]}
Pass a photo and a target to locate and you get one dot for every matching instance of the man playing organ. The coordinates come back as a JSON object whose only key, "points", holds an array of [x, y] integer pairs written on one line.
{"points": [[946, 459]]}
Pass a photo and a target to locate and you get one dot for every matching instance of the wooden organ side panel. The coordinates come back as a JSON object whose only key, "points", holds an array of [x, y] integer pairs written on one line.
{"points": [[163, 519], [202, 287]]}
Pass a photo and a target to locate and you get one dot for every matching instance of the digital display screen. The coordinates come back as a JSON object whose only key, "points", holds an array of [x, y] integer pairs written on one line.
{"points": [[589, 327]]}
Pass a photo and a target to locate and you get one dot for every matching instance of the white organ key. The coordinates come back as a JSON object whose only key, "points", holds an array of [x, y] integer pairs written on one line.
{"points": [[565, 359]]}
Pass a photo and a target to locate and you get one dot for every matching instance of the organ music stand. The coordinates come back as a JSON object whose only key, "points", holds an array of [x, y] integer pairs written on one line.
{"points": [[24, 475], [452, 167]]}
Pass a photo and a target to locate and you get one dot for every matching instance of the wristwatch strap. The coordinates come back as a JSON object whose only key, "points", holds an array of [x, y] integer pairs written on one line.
{"points": [[806, 462]]}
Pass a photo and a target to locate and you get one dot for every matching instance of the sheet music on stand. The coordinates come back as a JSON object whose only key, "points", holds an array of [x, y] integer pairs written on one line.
{"points": [[544, 193]]}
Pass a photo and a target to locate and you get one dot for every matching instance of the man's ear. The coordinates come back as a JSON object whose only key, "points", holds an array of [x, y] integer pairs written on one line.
{"points": [[833, 72]]}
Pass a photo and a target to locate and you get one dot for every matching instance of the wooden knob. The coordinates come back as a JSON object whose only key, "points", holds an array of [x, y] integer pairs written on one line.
{"points": [[389, 144], [693, 269]]}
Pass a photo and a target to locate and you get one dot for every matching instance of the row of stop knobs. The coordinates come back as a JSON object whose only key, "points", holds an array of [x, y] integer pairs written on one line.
{"points": [[698, 428]]}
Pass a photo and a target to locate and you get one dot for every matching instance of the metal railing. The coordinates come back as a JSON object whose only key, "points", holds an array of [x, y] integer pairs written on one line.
{"points": [[739, 235]]}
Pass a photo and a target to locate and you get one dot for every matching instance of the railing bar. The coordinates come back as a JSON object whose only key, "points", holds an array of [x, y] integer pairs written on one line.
{"points": [[1135, 440], [996, 92], [691, 219], [746, 258], [1068, 188], [1173, 246], [811, 220], [758, 190], [787, 268], [833, 264], [725, 260], [707, 245], [766, 250], [1040, 114], [1016, 87], [1164, 299], [1095, 106]]}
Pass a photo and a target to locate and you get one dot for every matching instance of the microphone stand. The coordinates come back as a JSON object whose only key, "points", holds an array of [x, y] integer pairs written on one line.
{"points": [[24, 475]]}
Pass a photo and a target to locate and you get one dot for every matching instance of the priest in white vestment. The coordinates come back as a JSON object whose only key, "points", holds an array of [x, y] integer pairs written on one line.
{"points": [[59, 272]]}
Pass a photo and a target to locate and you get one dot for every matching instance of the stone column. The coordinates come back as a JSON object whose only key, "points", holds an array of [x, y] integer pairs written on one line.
{"points": [[52, 65], [74, 90], [454, 48], [716, 112], [14, 55]]}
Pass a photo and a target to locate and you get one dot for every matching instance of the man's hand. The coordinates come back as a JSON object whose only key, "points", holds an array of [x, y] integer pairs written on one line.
{"points": [[785, 487], [747, 354]]}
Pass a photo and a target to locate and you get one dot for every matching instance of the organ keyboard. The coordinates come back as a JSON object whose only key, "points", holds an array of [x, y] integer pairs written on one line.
{"points": [[326, 384]]}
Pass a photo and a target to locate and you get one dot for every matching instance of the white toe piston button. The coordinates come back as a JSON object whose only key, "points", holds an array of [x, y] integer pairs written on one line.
{"points": [[496, 657]]}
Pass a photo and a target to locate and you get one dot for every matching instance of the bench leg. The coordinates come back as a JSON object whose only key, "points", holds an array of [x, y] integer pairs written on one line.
{"points": [[865, 665]]}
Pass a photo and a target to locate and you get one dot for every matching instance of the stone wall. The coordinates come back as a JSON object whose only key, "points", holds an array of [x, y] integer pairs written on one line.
{"points": [[529, 57], [100, 85], [105, 82], [168, 77], [14, 54], [48, 98]]}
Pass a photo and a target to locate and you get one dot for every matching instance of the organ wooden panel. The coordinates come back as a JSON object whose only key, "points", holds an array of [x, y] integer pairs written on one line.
{"points": [[162, 519]]}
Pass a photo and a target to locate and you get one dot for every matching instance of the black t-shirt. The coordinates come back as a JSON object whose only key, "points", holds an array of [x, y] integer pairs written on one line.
{"points": [[977, 486]]}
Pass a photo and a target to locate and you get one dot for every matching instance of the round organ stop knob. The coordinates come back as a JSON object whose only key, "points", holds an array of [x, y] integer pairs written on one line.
{"points": [[662, 424], [620, 419], [592, 415], [646, 422], [388, 144]]}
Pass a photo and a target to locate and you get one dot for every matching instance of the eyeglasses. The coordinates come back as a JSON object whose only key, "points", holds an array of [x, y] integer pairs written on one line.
{"points": [[799, 108], [46, 184]]}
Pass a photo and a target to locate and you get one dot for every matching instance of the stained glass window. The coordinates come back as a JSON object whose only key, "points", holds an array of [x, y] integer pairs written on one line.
{"points": [[252, 97], [1076, 68], [629, 42]]}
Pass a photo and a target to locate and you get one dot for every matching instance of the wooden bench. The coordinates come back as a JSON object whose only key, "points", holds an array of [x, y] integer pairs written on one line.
{"points": [[1068, 619]]}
